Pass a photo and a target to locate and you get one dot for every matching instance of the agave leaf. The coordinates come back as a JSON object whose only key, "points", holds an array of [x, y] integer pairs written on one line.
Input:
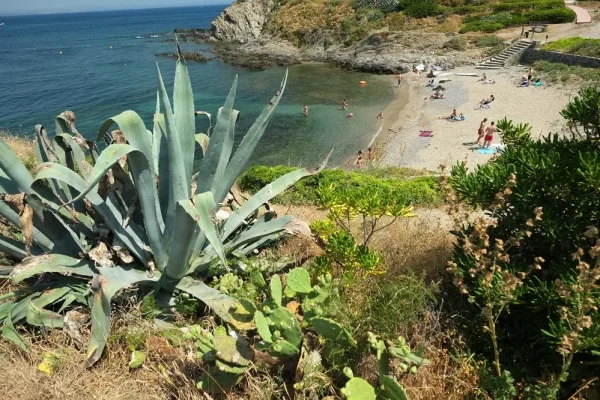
{"points": [[144, 179], [111, 281], [186, 232], [58, 263], [15, 171], [210, 163], [184, 113], [218, 302], [131, 236], [45, 154], [180, 187], [202, 141], [226, 149], [262, 242], [65, 140], [38, 316], [15, 248], [43, 299], [259, 231], [265, 194], [161, 161], [242, 155], [202, 213], [9, 332]]}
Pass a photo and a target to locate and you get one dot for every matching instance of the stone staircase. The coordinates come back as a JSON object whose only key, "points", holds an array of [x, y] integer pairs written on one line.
{"points": [[499, 61]]}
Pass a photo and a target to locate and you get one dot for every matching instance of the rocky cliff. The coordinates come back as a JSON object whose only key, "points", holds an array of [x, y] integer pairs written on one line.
{"points": [[243, 21]]}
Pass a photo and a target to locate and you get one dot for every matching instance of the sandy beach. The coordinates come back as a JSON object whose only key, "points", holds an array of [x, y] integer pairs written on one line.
{"points": [[399, 143]]}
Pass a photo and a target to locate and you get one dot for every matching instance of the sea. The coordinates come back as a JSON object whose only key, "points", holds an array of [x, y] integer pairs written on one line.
{"points": [[99, 64]]}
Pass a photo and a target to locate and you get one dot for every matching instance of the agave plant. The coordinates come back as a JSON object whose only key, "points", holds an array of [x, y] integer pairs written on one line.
{"points": [[142, 211]]}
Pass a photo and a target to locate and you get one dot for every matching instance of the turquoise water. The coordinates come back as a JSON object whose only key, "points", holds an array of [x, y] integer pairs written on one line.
{"points": [[104, 69]]}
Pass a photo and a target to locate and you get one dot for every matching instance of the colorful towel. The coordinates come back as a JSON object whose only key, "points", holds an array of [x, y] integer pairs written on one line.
{"points": [[538, 83], [426, 134]]}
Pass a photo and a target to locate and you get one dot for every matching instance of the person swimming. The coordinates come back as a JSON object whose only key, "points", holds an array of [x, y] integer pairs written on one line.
{"points": [[305, 110], [349, 115], [344, 104], [380, 115]]}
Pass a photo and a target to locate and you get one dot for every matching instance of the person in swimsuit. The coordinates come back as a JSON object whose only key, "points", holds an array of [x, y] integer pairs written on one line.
{"points": [[489, 135], [487, 101], [359, 160], [344, 104], [380, 115], [530, 74], [481, 131], [370, 155], [349, 115], [483, 78], [305, 110], [399, 80]]}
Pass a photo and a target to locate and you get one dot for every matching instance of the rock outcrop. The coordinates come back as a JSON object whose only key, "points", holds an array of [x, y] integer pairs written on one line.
{"points": [[187, 55], [243, 21]]}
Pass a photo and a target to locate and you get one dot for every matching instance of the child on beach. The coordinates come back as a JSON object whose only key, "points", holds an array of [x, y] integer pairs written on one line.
{"points": [[489, 135], [305, 110], [481, 131], [359, 162]]}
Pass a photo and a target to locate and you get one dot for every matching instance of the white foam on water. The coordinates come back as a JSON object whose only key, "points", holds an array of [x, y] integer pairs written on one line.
{"points": [[375, 136]]}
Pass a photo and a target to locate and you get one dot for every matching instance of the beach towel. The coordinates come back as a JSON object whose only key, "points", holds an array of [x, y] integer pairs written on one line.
{"points": [[486, 151], [536, 84], [458, 119], [426, 134]]}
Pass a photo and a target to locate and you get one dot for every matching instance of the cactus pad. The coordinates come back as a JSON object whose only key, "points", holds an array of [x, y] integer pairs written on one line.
{"points": [[262, 325], [358, 389], [283, 348], [232, 350], [391, 389], [276, 291], [298, 280], [331, 330], [284, 321]]}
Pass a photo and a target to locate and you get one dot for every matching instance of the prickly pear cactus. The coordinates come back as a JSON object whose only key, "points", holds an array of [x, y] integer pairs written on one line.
{"points": [[331, 330], [262, 326], [357, 388], [298, 280], [232, 350], [276, 290], [390, 389], [285, 322]]}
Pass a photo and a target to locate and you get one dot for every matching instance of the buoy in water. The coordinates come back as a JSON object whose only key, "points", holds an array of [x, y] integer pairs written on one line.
{"points": [[362, 82], [60, 52], [111, 47]]}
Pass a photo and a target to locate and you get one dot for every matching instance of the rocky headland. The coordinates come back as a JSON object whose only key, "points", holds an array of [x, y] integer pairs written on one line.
{"points": [[244, 35]]}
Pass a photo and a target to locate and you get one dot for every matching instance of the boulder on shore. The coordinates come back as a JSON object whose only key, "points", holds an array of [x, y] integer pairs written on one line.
{"points": [[187, 55]]}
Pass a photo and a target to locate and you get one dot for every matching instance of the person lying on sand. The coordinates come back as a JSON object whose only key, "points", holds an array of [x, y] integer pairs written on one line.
{"points": [[430, 74], [380, 115], [524, 82], [483, 78], [486, 102], [488, 81], [437, 95]]}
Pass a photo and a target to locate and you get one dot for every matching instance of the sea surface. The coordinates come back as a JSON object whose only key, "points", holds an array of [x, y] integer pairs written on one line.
{"points": [[95, 65]]}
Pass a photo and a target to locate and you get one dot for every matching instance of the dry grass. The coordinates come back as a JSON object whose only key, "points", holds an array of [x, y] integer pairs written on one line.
{"points": [[23, 147]]}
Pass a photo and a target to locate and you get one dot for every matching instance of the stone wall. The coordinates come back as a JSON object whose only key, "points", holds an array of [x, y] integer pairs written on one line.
{"points": [[531, 54]]}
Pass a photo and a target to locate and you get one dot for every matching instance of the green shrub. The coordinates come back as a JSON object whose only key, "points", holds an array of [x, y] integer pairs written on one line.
{"points": [[488, 41], [528, 5], [553, 16], [369, 14], [481, 26], [576, 45], [422, 9], [420, 190]]}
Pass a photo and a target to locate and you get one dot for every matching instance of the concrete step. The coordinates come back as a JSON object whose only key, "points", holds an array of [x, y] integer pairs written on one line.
{"points": [[486, 67]]}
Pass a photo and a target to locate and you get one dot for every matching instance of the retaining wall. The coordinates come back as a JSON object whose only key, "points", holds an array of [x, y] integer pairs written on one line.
{"points": [[531, 54]]}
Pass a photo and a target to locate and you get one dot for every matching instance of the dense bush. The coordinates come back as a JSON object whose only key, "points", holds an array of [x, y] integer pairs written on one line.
{"points": [[456, 43], [544, 197], [420, 190], [488, 41], [528, 5]]}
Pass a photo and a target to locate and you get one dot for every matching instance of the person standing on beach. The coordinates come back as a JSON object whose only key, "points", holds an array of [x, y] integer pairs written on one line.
{"points": [[359, 162], [399, 80], [489, 135], [305, 110], [481, 131], [370, 155]]}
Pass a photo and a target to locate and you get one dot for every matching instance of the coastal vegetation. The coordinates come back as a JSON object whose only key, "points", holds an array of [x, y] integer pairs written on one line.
{"points": [[565, 73], [304, 22], [575, 45]]}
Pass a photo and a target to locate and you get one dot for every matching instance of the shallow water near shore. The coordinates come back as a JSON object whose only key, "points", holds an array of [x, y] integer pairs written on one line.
{"points": [[95, 65]]}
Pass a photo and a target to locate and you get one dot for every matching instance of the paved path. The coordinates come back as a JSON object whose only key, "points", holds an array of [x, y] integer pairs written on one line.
{"points": [[583, 16]]}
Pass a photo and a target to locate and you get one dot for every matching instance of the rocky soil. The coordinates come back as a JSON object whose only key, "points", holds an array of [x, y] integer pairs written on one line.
{"points": [[241, 37]]}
